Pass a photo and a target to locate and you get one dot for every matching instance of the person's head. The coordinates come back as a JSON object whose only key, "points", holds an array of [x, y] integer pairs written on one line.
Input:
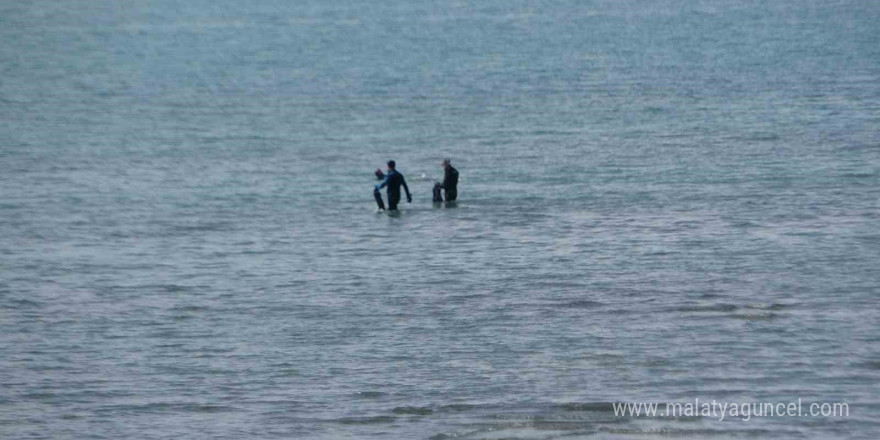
{"points": [[391, 165], [446, 163]]}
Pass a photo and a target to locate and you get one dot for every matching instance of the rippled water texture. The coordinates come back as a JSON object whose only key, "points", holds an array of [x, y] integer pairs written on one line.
{"points": [[660, 201]]}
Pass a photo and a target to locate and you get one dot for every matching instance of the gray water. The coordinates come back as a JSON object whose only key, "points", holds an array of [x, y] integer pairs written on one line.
{"points": [[660, 201]]}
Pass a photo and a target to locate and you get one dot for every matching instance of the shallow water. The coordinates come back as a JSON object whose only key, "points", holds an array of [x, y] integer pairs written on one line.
{"points": [[660, 201]]}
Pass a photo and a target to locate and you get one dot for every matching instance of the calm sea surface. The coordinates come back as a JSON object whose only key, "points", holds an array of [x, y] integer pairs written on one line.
{"points": [[660, 201]]}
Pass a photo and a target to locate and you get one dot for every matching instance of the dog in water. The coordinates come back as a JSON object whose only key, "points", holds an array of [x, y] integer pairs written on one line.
{"points": [[438, 197]]}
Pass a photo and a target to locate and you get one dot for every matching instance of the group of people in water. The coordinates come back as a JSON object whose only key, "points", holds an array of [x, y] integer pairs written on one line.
{"points": [[393, 180]]}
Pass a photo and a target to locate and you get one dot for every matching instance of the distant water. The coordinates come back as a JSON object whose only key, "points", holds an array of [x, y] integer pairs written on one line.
{"points": [[660, 201]]}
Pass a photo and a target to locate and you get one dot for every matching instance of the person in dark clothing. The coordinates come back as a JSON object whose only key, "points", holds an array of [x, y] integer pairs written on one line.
{"points": [[393, 180], [450, 181]]}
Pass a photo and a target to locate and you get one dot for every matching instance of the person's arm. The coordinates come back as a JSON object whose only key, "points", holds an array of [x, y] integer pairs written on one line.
{"points": [[406, 188], [384, 182]]}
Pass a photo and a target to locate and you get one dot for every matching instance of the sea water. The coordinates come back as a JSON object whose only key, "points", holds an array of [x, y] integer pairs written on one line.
{"points": [[660, 201]]}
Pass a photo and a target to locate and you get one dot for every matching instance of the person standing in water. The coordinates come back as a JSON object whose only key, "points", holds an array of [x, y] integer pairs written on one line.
{"points": [[393, 180], [450, 181]]}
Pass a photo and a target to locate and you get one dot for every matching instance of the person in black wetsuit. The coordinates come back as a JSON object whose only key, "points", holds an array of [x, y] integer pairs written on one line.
{"points": [[450, 181], [393, 180]]}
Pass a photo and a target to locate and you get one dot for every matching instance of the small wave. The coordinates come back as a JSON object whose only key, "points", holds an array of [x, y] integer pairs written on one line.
{"points": [[73, 416], [753, 316], [582, 304], [771, 306], [23, 303], [857, 175], [198, 228], [370, 394], [750, 312], [709, 308], [560, 425], [744, 224], [871, 365], [189, 308], [761, 137], [588, 406], [167, 288], [660, 253], [415, 410], [287, 372], [458, 407], [162, 407], [366, 420]]}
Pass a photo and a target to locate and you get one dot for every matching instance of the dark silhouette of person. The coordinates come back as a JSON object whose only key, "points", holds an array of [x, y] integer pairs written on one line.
{"points": [[393, 180], [450, 181]]}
